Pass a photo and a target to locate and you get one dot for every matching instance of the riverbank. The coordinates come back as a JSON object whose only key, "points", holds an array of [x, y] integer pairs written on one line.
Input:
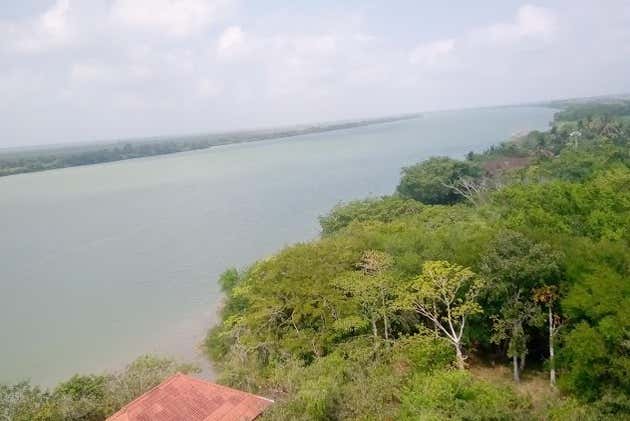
{"points": [[36, 159], [149, 237]]}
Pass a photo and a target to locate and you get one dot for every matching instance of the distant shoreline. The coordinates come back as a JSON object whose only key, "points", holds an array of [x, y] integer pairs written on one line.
{"points": [[37, 159], [20, 160]]}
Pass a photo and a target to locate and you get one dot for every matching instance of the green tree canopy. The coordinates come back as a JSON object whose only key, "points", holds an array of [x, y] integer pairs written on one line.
{"points": [[446, 294], [384, 209], [430, 181]]}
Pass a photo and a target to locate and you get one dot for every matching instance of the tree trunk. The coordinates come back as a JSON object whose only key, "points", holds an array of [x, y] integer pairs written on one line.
{"points": [[460, 357], [517, 377], [552, 363], [385, 319], [374, 330], [522, 364], [386, 327]]}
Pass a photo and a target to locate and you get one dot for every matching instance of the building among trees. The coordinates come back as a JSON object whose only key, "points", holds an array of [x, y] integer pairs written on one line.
{"points": [[183, 397]]}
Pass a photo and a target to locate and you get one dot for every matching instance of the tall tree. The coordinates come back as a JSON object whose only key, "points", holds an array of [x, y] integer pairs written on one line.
{"points": [[548, 295], [373, 288], [509, 326], [516, 265], [446, 294]]}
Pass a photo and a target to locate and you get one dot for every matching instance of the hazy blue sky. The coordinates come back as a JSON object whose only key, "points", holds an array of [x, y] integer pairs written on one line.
{"points": [[73, 70]]}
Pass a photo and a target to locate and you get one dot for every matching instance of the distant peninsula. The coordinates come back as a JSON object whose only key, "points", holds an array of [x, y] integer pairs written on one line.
{"points": [[25, 160]]}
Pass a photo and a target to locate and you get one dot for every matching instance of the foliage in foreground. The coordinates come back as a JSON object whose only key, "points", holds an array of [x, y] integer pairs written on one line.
{"points": [[87, 397], [449, 394]]}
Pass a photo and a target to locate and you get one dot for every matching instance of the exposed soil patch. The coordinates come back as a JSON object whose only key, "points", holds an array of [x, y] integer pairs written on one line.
{"points": [[499, 165]]}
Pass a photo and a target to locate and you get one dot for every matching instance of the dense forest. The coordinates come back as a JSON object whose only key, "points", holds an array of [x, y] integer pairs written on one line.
{"points": [[41, 159], [491, 288]]}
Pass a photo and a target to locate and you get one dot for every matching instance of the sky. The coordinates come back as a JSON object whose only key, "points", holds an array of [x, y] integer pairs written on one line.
{"points": [[84, 70]]}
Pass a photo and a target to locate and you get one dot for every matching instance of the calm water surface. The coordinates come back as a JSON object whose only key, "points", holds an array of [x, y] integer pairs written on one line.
{"points": [[102, 263]]}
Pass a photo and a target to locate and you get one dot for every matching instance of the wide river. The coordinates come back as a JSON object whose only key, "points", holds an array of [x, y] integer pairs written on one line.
{"points": [[102, 263]]}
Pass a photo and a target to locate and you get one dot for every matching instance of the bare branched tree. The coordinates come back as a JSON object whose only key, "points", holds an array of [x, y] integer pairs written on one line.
{"points": [[473, 190]]}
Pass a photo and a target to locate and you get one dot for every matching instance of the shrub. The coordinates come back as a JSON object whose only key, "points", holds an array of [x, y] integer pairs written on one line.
{"points": [[456, 395]]}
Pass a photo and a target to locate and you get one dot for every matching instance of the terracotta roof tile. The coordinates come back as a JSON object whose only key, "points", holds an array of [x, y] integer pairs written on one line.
{"points": [[186, 398]]}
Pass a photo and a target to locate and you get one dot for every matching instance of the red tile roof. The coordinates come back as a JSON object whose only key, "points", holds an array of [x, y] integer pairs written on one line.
{"points": [[182, 397]]}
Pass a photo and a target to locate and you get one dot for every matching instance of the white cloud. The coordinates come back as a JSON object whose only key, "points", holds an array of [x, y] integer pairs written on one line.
{"points": [[48, 30], [53, 21], [530, 26], [531, 22], [194, 65], [305, 64], [174, 17], [231, 43], [432, 53]]}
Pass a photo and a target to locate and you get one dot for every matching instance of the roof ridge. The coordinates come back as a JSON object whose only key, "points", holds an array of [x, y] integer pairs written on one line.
{"points": [[225, 387], [145, 394]]}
